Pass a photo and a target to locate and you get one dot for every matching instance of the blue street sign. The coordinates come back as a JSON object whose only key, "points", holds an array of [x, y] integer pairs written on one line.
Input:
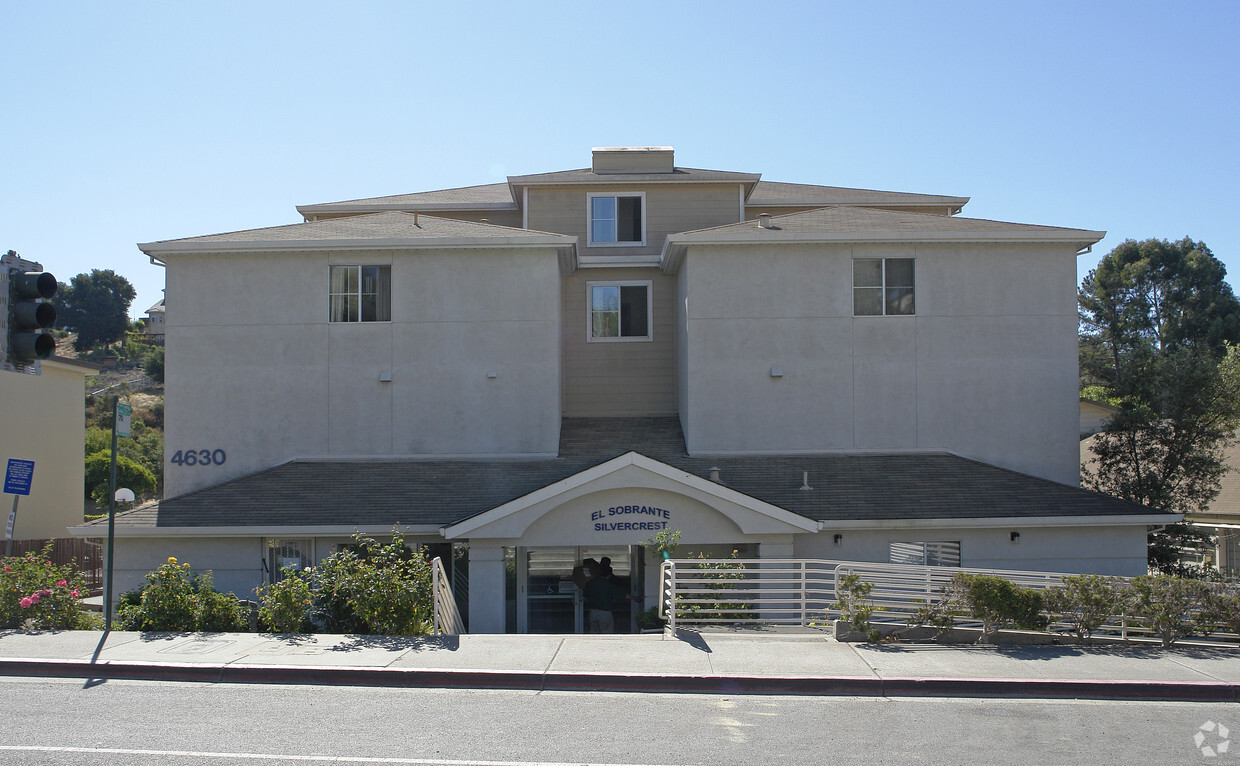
{"points": [[17, 477]]}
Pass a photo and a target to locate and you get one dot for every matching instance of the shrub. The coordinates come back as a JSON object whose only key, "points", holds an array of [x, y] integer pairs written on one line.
{"points": [[649, 619], [284, 606], [176, 601], [1169, 605], [38, 594], [998, 602], [367, 587], [1221, 610], [1086, 602], [853, 601]]}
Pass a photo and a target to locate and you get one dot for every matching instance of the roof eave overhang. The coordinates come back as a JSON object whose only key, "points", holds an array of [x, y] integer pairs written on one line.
{"points": [[675, 246], [256, 530], [387, 207], [1015, 522], [157, 249], [955, 203]]}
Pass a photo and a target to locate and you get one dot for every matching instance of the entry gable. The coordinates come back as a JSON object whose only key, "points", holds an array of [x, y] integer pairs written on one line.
{"points": [[632, 473]]}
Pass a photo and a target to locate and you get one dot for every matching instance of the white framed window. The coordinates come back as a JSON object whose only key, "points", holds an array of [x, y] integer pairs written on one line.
{"points": [[883, 286], [929, 554], [615, 220], [361, 293], [619, 311]]}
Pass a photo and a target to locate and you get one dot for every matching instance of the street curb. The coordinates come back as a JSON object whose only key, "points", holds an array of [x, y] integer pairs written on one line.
{"points": [[851, 686]]}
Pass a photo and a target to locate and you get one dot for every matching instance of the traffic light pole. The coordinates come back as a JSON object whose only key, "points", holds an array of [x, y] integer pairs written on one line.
{"points": [[107, 580]]}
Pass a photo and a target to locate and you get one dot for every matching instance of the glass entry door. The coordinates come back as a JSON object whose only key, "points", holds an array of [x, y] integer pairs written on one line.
{"points": [[548, 599]]}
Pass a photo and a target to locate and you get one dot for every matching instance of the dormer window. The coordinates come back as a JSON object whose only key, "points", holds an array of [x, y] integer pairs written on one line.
{"points": [[617, 220]]}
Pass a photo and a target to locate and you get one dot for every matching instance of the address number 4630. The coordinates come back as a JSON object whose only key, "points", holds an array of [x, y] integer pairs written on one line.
{"points": [[198, 457]]}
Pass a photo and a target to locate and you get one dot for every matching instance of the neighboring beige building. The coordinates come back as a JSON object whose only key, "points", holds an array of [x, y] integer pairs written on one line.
{"points": [[559, 366], [1094, 416], [45, 421], [1223, 517]]}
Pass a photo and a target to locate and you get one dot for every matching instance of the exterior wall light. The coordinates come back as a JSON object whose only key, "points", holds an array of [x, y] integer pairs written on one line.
{"points": [[1015, 537], [839, 539]]}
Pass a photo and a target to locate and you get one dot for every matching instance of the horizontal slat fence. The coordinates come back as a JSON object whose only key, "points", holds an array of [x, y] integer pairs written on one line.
{"points": [[804, 592]]}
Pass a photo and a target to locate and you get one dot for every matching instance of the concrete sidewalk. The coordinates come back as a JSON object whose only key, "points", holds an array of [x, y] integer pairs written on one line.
{"points": [[733, 663]]}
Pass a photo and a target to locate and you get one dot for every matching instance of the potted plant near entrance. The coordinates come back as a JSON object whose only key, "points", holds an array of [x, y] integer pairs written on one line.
{"points": [[665, 543]]}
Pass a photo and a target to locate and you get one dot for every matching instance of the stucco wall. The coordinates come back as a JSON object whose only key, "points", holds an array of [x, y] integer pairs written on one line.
{"points": [[254, 367], [235, 563], [1092, 550], [44, 421], [986, 368]]}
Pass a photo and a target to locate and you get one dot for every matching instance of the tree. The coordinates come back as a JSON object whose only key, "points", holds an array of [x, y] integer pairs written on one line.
{"points": [[95, 306], [1158, 325], [129, 473], [1153, 298]]}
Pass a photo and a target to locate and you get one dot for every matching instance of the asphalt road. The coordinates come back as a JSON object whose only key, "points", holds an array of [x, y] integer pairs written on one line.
{"points": [[62, 721]]}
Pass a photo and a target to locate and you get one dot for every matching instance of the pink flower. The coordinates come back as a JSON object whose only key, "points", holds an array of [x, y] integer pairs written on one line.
{"points": [[62, 583], [34, 599], [26, 603], [6, 569], [74, 594]]}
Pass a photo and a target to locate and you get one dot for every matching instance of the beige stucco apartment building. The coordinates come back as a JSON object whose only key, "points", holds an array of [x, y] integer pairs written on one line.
{"points": [[556, 367], [45, 421]]}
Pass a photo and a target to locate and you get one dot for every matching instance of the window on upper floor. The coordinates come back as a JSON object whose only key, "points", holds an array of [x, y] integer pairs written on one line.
{"points": [[619, 311], [616, 219], [882, 286], [937, 554], [361, 293]]}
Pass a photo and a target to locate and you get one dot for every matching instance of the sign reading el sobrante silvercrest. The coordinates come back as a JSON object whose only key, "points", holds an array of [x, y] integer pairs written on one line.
{"points": [[660, 517]]}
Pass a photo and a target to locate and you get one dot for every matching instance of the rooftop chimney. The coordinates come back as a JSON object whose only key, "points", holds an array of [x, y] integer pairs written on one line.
{"points": [[633, 159]]}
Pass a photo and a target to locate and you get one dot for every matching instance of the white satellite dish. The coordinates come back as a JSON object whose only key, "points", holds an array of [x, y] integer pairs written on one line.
{"points": [[124, 495]]}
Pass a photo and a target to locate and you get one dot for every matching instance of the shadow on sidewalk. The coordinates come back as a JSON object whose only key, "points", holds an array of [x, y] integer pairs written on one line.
{"points": [[353, 643]]}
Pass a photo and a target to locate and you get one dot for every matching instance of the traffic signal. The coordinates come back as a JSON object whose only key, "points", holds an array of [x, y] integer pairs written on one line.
{"points": [[30, 314]]}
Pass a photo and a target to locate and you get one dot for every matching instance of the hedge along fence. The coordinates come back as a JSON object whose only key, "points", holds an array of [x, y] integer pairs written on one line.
{"points": [[1162, 607]]}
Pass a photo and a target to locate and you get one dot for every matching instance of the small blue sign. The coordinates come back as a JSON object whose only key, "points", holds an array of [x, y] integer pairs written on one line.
{"points": [[17, 477]]}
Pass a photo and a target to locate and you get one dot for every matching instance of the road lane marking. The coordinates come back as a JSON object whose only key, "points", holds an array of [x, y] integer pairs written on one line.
{"points": [[289, 757]]}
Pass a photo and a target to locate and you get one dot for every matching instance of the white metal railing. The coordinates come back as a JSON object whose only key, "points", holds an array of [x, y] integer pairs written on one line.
{"points": [[804, 592], [746, 591], [447, 619]]}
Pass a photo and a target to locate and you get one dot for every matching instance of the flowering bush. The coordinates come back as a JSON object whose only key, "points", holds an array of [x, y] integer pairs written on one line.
{"points": [[175, 600], [38, 594], [284, 607], [364, 588]]}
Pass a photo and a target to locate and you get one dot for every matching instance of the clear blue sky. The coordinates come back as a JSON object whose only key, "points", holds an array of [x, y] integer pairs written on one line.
{"points": [[131, 122]]}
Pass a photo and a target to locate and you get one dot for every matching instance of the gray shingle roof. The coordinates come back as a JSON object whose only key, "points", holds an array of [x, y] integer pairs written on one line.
{"points": [[846, 488], [374, 227], [778, 194], [492, 196], [844, 219]]}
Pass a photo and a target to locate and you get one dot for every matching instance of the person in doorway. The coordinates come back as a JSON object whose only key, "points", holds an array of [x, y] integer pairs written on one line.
{"points": [[602, 595]]}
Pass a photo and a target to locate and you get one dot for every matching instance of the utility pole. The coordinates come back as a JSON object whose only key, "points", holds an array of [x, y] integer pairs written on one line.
{"points": [[120, 426]]}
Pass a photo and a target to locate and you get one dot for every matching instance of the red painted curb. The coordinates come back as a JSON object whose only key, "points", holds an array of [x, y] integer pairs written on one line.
{"points": [[623, 682]]}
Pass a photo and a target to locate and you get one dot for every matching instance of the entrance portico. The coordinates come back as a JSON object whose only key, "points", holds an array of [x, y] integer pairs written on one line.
{"points": [[615, 506]]}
